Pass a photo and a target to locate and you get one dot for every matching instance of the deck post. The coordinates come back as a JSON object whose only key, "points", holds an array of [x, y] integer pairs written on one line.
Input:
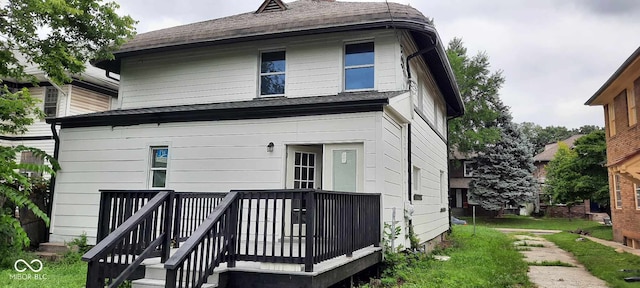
{"points": [[103, 217], [232, 233], [176, 220], [349, 207], [93, 280], [168, 213], [309, 237]]}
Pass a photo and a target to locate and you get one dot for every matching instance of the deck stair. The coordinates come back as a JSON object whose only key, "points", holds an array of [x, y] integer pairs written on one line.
{"points": [[155, 275]]}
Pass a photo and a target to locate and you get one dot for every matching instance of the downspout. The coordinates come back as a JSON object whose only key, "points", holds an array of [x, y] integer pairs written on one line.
{"points": [[410, 165], [448, 176], [52, 183]]}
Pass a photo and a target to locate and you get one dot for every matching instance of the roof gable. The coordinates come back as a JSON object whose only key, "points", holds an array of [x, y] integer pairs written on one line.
{"points": [[271, 5]]}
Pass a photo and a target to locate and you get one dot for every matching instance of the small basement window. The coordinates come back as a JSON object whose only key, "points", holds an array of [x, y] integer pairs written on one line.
{"points": [[158, 167]]}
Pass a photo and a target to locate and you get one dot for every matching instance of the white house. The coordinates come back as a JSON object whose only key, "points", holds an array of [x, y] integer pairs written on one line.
{"points": [[91, 91], [343, 96]]}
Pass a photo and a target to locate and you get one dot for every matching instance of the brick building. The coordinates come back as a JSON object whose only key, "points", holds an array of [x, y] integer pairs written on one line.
{"points": [[619, 96]]}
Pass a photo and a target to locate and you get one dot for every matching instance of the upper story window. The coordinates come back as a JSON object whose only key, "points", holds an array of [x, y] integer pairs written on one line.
{"points": [[611, 113], [631, 108], [358, 66], [272, 73], [158, 167], [51, 102], [469, 167]]}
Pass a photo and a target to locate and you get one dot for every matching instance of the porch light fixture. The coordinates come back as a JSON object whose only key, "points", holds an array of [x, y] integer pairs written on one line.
{"points": [[270, 147]]}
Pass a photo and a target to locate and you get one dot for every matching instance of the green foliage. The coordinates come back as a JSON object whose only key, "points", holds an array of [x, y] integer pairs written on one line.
{"points": [[58, 274], [59, 37], [504, 175], [75, 32], [540, 136], [478, 87], [12, 239], [591, 151], [16, 110], [577, 174], [601, 261], [476, 261], [511, 221], [562, 177]]}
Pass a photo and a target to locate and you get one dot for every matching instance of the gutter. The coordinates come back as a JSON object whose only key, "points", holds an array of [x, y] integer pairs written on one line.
{"points": [[52, 183]]}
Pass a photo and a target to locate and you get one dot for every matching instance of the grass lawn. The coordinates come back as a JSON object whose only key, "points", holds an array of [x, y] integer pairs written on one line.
{"points": [[602, 261], [487, 259], [524, 222], [69, 273]]}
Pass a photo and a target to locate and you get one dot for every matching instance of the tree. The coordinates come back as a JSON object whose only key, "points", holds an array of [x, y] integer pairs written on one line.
{"points": [[59, 37], [479, 90], [562, 178], [591, 154], [505, 170]]}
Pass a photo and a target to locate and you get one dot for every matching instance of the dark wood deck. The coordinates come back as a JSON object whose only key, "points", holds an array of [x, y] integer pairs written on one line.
{"points": [[304, 237]]}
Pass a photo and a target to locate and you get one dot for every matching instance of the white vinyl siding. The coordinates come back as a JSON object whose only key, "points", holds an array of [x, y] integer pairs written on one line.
{"points": [[86, 101], [394, 165], [430, 153], [228, 72], [204, 156]]}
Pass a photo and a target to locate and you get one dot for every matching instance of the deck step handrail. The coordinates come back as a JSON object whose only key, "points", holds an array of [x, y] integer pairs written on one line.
{"points": [[208, 246], [148, 228]]}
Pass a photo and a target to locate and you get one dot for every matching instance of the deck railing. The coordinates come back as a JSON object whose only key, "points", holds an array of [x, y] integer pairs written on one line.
{"points": [[296, 226], [145, 233], [209, 245], [191, 209]]}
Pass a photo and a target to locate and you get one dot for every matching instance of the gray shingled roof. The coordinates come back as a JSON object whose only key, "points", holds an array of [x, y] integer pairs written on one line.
{"points": [[304, 17], [551, 149], [300, 15]]}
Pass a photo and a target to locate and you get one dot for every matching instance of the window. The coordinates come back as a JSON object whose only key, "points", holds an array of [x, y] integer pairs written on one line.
{"points": [[51, 102], [27, 157], [416, 178], [618, 192], [612, 119], [272, 73], [304, 177], [631, 108], [469, 167], [358, 66], [443, 191], [637, 196], [158, 169]]}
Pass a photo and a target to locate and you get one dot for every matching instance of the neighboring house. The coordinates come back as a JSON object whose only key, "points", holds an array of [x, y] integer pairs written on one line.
{"points": [[461, 169], [544, 200], [620, 96], [344, 96], [89, 92]]}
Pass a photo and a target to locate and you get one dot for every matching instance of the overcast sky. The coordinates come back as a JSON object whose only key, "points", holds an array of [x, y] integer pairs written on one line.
{"points": [[554, 54]]}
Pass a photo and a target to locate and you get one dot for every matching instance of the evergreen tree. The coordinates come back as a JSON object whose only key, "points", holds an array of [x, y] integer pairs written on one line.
{"points": [[479, 86], [504, 175]]}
